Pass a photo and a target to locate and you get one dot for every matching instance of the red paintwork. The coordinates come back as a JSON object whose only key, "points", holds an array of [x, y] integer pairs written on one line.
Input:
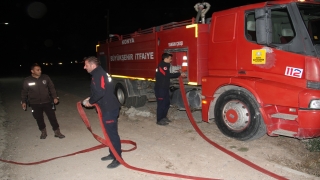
{"points": [[275, 92], [157, 43], [215, 59]]}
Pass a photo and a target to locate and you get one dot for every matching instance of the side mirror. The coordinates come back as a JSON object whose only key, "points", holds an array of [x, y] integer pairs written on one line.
{"points": [[263, 26]]}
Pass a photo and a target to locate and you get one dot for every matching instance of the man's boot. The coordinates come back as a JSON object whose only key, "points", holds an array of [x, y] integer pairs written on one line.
{"points": [[58, 134], [43, 133]]}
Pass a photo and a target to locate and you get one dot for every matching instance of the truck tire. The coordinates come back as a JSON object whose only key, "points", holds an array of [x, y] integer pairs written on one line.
{"points": [[121, 94], [176, 99], [141, 101], [130, 101], [237, 115]]}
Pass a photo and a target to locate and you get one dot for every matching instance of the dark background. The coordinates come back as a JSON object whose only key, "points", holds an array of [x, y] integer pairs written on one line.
{"points": [[53, 31]]}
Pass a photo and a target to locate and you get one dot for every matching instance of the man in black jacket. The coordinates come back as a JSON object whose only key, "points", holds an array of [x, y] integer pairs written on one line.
{"points": [[102, 94], [39, 90], [161, 88]]}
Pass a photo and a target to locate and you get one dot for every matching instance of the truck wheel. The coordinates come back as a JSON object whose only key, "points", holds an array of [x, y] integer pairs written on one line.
{"points": [[130, 101], [141, 101], [237, 115], [177, 99], [121, 94]]}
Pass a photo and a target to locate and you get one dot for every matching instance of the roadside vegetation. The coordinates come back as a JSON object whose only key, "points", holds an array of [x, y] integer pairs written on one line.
{"points": [[312, 163], [313, 145]]}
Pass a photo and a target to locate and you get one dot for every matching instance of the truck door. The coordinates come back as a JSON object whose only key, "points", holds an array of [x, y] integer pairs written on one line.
{"points": [[280, 60]]}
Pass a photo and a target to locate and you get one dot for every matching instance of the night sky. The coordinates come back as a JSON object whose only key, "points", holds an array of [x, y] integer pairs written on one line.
{"points": [[63, 30]]}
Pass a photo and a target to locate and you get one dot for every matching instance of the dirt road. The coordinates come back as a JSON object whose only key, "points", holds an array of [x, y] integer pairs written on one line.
{"points": [[176, 148]]}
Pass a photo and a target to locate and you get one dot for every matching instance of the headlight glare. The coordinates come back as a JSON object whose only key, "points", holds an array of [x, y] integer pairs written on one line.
{"points": [[314, 104]]}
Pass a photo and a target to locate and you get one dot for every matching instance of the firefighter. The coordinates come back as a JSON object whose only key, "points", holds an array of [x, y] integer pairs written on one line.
{"points": [[40, 93], [161, 88], [102, 94]]}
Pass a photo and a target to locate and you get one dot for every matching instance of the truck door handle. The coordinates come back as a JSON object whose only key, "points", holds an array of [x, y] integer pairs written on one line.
{"points": [[241, 72]]}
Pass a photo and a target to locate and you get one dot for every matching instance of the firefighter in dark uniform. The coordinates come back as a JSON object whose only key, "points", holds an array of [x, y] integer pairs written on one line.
{"points": [[102, 93], [39, 90], [161, 88]]}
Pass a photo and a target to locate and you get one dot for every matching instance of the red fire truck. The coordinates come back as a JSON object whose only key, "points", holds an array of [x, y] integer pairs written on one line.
{"points": [[254, 69]]}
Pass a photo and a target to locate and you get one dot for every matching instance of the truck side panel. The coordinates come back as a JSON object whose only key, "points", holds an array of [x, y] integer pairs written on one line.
{"points": [[223, 40], [134, 57], [193, 40]]}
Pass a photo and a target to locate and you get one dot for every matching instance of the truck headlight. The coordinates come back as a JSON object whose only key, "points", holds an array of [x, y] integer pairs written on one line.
{"points": [[314, 104]]}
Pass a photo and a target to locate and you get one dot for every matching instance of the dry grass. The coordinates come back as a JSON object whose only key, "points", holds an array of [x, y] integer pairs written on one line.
{"points": [[305, 160], [310, 165]]}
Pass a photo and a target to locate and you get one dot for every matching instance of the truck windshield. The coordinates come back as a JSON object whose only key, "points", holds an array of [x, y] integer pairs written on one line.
{"points": [[310, 14]]}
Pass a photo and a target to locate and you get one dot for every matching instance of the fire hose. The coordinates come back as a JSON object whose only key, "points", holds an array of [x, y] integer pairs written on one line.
{"points": [[107, 143], [230, 153]]}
